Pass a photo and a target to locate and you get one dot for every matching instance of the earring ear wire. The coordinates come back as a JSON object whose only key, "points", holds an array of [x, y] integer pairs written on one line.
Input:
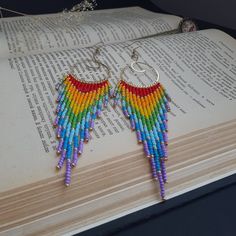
{"points": [[134, 54], [96, 61]]}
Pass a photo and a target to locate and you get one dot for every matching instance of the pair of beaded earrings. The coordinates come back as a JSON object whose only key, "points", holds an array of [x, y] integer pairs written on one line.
{"points": [[80, 103]]}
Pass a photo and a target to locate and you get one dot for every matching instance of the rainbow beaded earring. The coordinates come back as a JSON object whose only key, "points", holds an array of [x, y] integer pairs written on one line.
{"points": [[147, 107], [79, 104]]}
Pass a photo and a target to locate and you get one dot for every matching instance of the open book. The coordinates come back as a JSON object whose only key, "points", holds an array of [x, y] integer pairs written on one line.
{"points": [[112, 178]]}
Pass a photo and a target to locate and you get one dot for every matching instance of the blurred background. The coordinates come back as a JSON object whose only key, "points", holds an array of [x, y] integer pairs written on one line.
{"points": [[215, 12]]}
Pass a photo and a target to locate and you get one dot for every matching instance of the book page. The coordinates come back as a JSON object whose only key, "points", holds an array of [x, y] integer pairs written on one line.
{"points": [[53, 32], [197, 69]]}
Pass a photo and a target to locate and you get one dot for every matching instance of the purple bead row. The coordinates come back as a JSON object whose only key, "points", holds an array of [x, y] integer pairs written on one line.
{"points": [[161, 183], [68, 173]]}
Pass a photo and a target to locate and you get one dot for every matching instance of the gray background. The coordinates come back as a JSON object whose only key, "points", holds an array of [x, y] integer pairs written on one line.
{"points": [[219, 12]]}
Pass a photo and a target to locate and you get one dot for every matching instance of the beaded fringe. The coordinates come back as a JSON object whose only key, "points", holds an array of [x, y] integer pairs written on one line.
{"points": [[147, 108], [79, 104]]}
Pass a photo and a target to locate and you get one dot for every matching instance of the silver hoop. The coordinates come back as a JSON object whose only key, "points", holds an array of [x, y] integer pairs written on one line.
{"points": [[99, 65], [96, 61], [132, 67]]}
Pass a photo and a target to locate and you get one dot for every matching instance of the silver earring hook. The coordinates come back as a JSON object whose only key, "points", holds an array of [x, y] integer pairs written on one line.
{"points": [[96, 61], [134, 55], [97, 53]]}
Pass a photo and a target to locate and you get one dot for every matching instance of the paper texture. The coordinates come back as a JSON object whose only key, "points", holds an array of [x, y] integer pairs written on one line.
{"points": [[189, 68], [29, 35]]}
